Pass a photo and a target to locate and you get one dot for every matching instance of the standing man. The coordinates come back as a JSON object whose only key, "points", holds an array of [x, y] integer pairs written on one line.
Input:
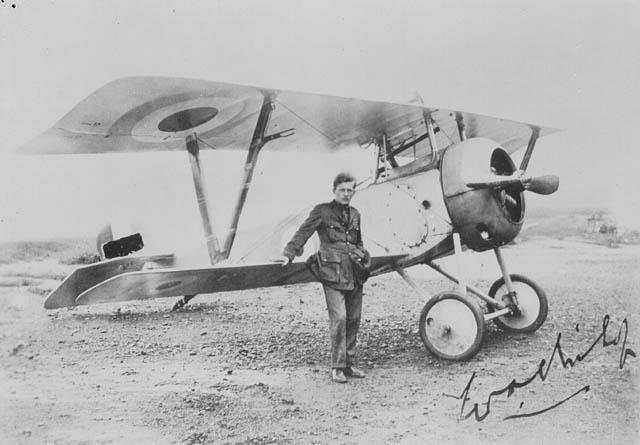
{"points": [[341, 265]]}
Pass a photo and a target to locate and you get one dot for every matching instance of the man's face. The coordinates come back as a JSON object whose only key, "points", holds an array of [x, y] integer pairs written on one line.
{"points": [[344, 192]]}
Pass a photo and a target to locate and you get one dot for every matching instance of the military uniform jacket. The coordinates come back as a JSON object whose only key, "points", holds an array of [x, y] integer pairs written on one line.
{"points": [[338, 228]]}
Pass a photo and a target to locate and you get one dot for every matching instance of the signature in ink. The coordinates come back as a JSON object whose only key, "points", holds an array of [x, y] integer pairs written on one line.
{"points": [[543, 372]]}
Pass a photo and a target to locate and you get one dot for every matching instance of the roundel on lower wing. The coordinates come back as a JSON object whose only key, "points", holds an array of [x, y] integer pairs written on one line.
{"points": [[187, 119]]}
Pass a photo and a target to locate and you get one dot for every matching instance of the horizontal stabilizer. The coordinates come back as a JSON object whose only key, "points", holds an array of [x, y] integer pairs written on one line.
{"points": [[86, 277]]}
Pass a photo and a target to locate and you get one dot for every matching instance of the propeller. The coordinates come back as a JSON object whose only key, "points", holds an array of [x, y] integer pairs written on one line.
{"points": [[542, 185]]}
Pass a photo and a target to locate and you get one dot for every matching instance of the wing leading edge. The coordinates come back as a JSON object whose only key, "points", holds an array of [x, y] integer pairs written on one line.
{"points": [[158, 113]]}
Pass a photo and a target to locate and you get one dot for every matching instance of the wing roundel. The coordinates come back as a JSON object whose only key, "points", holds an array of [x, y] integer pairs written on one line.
{"points": [[153, 113]]}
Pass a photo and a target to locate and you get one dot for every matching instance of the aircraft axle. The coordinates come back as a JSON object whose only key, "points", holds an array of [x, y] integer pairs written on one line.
{"points": [[497, 314]]}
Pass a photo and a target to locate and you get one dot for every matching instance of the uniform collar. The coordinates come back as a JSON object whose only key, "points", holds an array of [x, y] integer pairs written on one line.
{"points": [[339, 206], [343, 211]]}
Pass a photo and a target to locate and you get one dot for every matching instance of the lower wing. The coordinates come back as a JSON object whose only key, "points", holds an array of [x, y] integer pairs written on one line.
{"points": [[84, 286]]}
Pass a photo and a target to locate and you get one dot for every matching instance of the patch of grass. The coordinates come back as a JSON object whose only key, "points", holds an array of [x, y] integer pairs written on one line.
{"points": [[80, 258], [15, 281], [555, 226], [14, 251], [69, 250], [27, 271], [38, 290]]}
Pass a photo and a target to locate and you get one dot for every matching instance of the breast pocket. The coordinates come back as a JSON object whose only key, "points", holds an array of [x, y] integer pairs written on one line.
{"points": [[335, 232], [353, 233]]}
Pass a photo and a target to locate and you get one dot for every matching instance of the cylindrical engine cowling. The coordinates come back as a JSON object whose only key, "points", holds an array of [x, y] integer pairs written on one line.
{"points": [[485, 218]]}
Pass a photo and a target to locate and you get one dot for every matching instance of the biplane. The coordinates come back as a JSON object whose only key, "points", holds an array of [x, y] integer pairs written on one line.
{"points": [[440, 180]]}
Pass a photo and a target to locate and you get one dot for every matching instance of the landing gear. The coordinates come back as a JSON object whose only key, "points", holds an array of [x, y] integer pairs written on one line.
{"points": [[452, 326], [532, 307]]}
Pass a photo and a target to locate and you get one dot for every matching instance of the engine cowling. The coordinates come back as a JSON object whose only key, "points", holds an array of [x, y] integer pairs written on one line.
{"points": [[488, 217]]}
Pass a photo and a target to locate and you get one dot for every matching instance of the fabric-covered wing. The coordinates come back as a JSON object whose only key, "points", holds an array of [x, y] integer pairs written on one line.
{"points": [[161, 283], [177, 282], [157, 113]]}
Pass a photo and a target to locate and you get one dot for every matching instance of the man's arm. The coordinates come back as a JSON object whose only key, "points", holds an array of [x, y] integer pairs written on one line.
{"points": [[309, 226]]}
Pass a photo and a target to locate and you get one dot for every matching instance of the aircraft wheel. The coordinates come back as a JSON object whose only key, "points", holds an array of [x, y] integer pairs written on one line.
{"points": [[532, 302], [452, 326]]}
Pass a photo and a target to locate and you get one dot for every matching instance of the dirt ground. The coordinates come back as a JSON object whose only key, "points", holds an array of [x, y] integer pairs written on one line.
{"points": [[251, 367]]}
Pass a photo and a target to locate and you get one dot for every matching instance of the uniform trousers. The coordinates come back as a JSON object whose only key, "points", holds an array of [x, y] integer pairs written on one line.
{"points": [[344, 307]]}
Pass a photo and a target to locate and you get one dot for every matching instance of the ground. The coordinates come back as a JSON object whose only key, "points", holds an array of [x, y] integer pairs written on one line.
{"points": [[251, 367]]}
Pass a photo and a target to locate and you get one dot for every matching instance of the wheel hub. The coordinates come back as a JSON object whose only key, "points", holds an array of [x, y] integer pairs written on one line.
{"points": [[514, 310]]}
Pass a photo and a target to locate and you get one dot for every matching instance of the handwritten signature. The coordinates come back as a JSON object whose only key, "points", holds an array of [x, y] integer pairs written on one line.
{"points": [[543, 372]]}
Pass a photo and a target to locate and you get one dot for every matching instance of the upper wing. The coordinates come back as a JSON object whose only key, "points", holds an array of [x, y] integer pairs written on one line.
{"points": [[157, 113]]}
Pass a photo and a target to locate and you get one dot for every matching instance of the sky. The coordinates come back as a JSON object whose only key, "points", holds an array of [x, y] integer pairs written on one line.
{"points": [[572, 65]]}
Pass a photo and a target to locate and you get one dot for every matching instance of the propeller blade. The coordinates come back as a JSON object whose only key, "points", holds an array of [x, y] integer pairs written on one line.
{"points": [[543, 185], [497, 182]]}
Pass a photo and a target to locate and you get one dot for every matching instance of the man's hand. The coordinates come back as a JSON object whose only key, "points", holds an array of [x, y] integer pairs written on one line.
{"points": [[282, 260]]}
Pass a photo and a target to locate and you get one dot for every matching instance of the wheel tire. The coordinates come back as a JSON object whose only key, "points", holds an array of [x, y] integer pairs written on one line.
{"points": [[531, 299], [452, 326]]}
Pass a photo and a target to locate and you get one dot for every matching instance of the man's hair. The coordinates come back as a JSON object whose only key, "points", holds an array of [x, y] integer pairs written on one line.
{"points": [[343, 177]]}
